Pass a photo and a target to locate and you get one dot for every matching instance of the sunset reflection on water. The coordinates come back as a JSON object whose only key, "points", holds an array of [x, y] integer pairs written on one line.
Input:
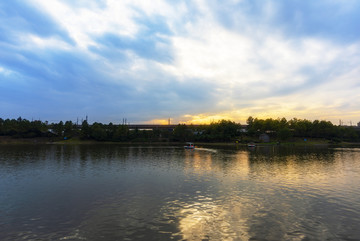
{"points": [[253, 187], [219, 217]]}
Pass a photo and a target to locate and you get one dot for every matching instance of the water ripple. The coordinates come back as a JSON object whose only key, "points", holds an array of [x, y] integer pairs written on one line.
{"points": [[122, 193]]}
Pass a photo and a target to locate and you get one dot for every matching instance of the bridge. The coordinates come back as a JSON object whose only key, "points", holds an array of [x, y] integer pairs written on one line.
{"points": [[154, 126], [163, 127]]}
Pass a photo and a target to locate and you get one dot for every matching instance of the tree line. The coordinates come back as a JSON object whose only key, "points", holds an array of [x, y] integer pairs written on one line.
{"points": [[278, 129], [282, 129]]}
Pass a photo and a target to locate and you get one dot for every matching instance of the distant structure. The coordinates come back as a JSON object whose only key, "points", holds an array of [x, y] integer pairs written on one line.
{"points": [[264, 138], [350, 123]]}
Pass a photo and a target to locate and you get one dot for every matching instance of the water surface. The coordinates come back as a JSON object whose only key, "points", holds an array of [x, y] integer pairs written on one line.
{"points": [[113, 192]]}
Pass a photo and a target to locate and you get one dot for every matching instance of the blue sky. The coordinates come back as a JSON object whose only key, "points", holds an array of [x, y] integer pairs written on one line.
{"points": [[191, 61]]}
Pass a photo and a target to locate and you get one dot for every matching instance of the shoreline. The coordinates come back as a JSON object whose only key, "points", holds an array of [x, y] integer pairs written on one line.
{"points": [[5, 140]]}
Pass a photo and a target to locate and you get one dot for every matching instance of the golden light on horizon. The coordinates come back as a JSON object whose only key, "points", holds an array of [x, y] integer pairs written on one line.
{"points": [[158, 122], [311, 113]]}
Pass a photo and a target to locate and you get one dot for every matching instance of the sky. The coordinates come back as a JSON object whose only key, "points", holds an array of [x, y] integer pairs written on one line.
{"points": [[192, 61]]}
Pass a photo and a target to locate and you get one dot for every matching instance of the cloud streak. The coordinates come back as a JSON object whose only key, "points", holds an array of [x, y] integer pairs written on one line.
{"points": [[192, 61]]}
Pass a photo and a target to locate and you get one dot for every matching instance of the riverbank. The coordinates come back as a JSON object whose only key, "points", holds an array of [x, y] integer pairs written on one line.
{"points": [[12, 140], [4, 140]]}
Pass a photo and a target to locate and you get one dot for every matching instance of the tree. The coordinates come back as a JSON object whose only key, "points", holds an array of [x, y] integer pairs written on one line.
{"points": [[1, 126], [250, 121], [223, 130], [59, 128], [284, 134], [85, 130], [182, 133], [68, 129], [121, 133], [98, 132]]}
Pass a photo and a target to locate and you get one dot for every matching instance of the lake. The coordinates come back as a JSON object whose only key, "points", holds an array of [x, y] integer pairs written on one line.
{"points": [[115, 192]]}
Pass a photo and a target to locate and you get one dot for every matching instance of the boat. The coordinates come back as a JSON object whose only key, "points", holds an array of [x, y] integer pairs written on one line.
{"points": [[251, 144], [189, 145]]}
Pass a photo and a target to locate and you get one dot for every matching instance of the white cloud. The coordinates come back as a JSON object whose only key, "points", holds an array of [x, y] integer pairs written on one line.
{"points": [[4, 71], [82, 23], [117, 17], [31, 41], [266, 70]]}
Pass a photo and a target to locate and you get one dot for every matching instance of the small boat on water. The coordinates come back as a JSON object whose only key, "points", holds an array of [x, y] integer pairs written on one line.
{"points": [[251, 144], [189, 145]]}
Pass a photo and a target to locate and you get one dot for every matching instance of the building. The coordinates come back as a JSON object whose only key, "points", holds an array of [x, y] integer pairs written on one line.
{"points": [[264, 138]]}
